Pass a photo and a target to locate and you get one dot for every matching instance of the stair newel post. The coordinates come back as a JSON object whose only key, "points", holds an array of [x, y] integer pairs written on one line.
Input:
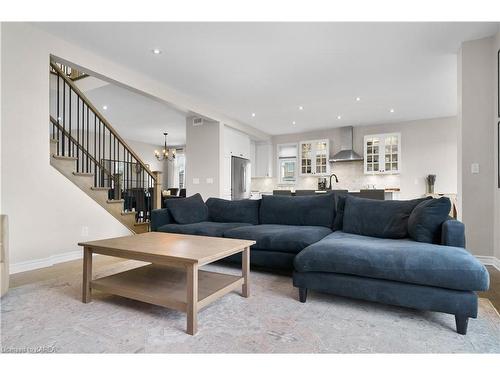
{"points": [[157, 189], [117, 191]]}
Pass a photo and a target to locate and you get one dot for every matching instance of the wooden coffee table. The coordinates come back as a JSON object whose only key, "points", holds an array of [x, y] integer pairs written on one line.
{"points": [[173, 278]]}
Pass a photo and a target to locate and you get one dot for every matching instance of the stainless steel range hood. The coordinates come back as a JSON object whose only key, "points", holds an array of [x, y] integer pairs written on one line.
{"points": [[346, 153]]}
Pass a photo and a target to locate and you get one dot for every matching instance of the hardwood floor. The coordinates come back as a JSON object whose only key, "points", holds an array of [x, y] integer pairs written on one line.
{"points": [[493, 294], [58, 270]]}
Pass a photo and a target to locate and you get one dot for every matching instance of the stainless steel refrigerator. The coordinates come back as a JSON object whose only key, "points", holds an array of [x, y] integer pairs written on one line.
{"points": [[240, 178]]}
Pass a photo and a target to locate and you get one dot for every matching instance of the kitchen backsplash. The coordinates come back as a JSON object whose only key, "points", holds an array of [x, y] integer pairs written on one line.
{"points": [[350, 174]]}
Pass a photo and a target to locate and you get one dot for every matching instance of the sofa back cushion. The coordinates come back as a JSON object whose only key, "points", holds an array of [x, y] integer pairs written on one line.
{"points": [[339, 212], [188, 210], [424, 223], [238, 211], [311, 210], [376, 218]]}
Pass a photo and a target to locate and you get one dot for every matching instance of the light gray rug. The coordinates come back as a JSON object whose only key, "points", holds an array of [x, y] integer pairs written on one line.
{"points": [[50, 316]]}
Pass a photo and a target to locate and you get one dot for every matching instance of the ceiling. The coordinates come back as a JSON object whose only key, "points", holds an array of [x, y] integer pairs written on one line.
{"points": [[271, 69], [136, 116]]}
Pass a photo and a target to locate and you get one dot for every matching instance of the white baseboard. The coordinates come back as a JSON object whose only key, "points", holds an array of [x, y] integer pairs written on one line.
{"points": [[44, 262], [489, 261]]}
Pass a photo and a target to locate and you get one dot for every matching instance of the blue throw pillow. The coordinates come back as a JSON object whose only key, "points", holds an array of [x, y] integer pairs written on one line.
{"points": [[188, 210], [238, 211], [377, 218], [424, 224]]}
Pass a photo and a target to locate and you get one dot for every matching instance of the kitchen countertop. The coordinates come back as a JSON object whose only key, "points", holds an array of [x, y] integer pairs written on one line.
{"points": [[394, 190]]}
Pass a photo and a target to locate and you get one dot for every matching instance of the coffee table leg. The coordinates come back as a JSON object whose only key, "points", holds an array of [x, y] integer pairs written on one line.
{"points": [[245, 270], [87, 275], [192, 299]]}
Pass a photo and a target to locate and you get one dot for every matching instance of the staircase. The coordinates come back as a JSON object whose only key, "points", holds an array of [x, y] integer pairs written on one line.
{"points": [[86, 149]]}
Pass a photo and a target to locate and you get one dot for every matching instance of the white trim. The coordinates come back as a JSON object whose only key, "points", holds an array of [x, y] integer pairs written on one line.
{"points": [[45, 262], [489, 261]]}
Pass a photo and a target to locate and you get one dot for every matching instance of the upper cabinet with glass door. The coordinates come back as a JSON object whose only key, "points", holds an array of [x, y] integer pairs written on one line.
{"points": [[314, 157], [382, 153]]}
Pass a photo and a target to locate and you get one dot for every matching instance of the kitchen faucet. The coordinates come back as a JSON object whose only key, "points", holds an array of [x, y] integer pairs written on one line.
{"points": [[336, 179]]}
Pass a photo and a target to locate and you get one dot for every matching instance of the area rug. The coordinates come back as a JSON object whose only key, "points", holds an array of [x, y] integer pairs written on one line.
{"points": [[49, 317]]}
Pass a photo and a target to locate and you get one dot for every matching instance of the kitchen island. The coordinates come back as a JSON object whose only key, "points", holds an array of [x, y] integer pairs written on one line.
{"points": [[382, 194]]}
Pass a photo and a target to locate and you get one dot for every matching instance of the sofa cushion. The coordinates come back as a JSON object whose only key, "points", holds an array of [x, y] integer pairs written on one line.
{"points": [[376, 218], [424, 223], [238, 211], [274, 237], [188, 210], [204, 228], [159, 217], [453, 233], [339, 213], [312, 210], [401, 260]]}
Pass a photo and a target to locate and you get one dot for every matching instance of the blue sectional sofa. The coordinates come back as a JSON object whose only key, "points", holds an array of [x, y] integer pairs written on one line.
{"points": [[404, 253]]}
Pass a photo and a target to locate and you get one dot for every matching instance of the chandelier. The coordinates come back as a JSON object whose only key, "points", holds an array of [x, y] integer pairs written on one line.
{"points": [[164, 154]]}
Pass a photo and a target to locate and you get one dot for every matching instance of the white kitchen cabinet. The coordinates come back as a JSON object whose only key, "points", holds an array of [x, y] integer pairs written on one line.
{"points": [[253, 146], [226, 178], [263, 159], [382, 153], [236, 143], [313, 157]]}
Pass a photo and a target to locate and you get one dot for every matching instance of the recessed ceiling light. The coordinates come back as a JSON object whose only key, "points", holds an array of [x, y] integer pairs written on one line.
{"points": [[253, 114], [104, 107], [293, 122], [358, 99], [156, 51], [339, 117], [391, 110], [300, 108]]}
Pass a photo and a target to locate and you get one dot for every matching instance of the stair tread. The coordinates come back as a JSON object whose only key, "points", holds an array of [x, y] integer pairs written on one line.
{"points": [[53, 140], [83, 174], [115, 200], [128, 213], [100, 188], [64, 157], [138, 224]]}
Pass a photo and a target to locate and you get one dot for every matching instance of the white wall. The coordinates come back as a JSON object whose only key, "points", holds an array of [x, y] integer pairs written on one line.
{"points": [[46, 211], [428, 147], [496, 188], [476, 139], [1, 122], [203, 158]]}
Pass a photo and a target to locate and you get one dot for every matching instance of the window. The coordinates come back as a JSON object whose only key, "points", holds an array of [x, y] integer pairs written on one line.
{"points": [[287, 163], [180, 173], [179, 165], [287, 170]]}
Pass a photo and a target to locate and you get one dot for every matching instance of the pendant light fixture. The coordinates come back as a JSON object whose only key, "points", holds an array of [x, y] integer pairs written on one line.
{"points": [[164, 154]]}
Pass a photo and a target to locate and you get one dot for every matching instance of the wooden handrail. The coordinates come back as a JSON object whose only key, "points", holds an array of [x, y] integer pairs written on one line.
{"points": [[101, 118], [73, 140]]}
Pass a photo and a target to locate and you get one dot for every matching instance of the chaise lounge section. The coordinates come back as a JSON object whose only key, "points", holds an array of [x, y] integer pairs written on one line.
{"points": [[403, 253]]}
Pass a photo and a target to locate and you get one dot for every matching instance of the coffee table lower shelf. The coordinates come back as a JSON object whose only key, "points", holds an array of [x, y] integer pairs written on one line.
{"points": [[167, 286]]}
